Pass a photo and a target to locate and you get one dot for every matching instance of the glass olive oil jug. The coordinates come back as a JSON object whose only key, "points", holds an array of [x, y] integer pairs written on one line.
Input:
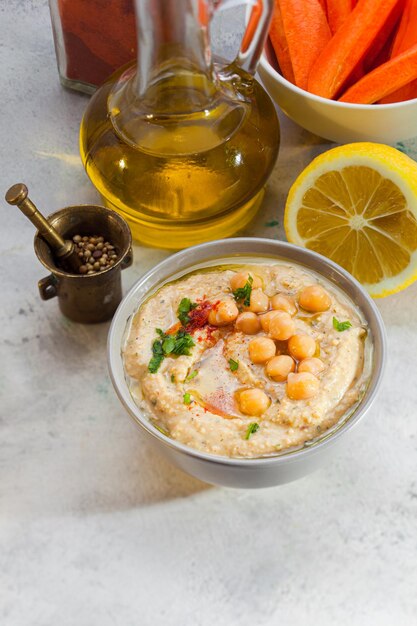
{"points": [[181, 147]]}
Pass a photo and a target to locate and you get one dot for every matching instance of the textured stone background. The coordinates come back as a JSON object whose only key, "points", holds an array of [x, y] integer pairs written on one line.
{"points": [[95, 529]]}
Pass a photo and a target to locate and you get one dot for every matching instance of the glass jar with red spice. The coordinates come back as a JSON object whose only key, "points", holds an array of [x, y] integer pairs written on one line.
{"points": [[92, 38]]}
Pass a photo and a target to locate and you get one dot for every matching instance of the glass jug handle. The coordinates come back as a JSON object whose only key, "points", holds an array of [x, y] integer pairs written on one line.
{"points": [[258, 19]]}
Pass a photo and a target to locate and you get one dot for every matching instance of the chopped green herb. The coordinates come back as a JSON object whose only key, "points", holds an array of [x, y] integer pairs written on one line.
{"points": [[252, 428], [157, 358], [234, 365], [184, 307], [243, 293], [192, 375], [183, 343], [180, 343], [172, 378], [272, 223], [341, 326], [168, 344], [187, 398]]}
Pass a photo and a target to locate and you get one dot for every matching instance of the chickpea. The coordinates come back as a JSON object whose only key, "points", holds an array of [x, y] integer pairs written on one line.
{"points": [[261, 349], [281, 326], [259, 301], [302, 386], [253, 402], [312, 365], [248, 323], [225, 313], [301, 346], [239, 280], [265, 320], [279, 302], [315, 299], [279, 367]]}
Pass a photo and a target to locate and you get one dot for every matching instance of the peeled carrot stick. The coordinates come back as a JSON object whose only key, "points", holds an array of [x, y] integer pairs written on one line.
{"points": [[307, 33], [385, 79], [408, 92], [337, 12], [280, 44], [380, 51], [405, 38], [407, 31], [348, 46], [323, 4]]}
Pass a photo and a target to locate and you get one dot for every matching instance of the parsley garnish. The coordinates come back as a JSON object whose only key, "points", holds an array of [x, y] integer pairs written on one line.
{"points": [[252, 428], [341, 326], [183, 343], [184, 307], [158, 356], [187, 398], [243, 293], [172, 378], [180, 343], [233, 365], [168, 344], [192, 375]]}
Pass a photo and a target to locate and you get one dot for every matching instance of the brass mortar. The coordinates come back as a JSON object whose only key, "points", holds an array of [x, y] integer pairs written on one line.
{"points": [[86, 298]]}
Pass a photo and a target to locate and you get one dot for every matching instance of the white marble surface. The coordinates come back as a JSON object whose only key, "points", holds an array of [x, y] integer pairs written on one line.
{"points": [[95, 529]]}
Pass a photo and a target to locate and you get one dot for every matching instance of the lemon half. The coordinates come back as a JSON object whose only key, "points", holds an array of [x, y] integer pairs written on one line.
{"points": [[357, 205]]}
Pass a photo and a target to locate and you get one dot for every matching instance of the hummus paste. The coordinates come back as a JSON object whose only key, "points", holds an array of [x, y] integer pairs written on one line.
{"points": [[248, 360]]}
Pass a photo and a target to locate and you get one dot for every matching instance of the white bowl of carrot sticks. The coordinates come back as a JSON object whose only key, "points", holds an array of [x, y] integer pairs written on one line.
{"points": [[345, 70]]}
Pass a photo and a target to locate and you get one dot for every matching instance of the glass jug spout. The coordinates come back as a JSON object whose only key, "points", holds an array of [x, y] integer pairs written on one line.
{"points": [[174, 73], [173, 41]]}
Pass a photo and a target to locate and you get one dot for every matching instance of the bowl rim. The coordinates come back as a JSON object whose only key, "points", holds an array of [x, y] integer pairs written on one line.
{"points": [[128, 305], [265, 64]]}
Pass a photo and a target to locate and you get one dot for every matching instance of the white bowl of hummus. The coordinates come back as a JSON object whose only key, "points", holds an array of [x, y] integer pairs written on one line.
{"points": [[247, 360]]}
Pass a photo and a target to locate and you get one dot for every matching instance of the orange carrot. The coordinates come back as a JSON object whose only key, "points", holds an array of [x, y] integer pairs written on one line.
{"points": [[385, 79], [407, 31], [408, 92], [405, 38], [307, 33], [323, 4], [252, 25], [348, 46], [383, 42], [280, 44], [337, 12]]}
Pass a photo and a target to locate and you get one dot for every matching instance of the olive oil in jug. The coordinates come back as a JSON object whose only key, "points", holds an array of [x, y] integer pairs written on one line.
{"points": [[181, 148]]}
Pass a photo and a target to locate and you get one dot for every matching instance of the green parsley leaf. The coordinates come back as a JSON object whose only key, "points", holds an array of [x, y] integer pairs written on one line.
{"points": [[184, 307], [252, 428], [183, 343], [168, 344], [187, 398], [157, 358], [341, 326], [172, 378], [192, 375], [234, 365], [243, 293], [177, 344]]}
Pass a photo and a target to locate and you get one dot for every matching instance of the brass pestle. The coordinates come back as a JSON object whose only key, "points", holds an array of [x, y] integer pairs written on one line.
{"points": [[64, 250]]}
